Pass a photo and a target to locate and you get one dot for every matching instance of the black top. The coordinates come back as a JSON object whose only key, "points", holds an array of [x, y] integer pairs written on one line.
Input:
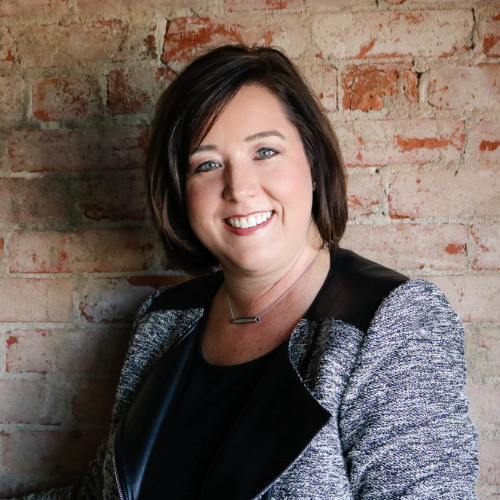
{"points": [[205, 406]]}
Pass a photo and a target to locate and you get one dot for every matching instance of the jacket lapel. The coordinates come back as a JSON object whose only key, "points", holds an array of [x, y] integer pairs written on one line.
{"points": [[278, 422]]}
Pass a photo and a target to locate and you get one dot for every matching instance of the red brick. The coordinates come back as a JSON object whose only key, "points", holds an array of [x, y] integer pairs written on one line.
{"points": [[35, 300], [71, 44], [31, 402], [136, 92], [464, 87], [485, 252], [475, 298], [101, 250], [364, 194], [410, 246], [112, 300], [56, 98], [188, 37], [482, 351], [11, 101], [41, 200], [323, 80], [381, 142], [484, 406], [431, 33], [109, 148], [7, 49], [242, 5], [50, 452], [445, 193], [92, 402], [489, 465], [489, 31], [367, 87], [116, 197], [488, 141], [66, 351], [15, 8]]}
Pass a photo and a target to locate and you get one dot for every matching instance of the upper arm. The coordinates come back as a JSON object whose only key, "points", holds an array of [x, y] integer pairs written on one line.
{"points": [[403, 419]]}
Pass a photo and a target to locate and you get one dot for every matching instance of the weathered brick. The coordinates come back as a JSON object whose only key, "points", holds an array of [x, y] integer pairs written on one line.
{"points": [[53, 452], [188, 37], [41, 200], [410, 246], [364, 194], [482, 351], [112, 197], [113, 148], [484, 406], [428, 33], [368, 87], [111, 300], [31, 402], [489, 31], [92, 401], [466, 88], [11, 101], [35, 300], [15, 8], [485, 252], [487, 138], [242, 5], [444, 193], [323, 80], [381, 142], [489, 464], [136, 92], [6, 48], [56, 98], [101, 250], [71, 44], [475, 298], [66, 351]]}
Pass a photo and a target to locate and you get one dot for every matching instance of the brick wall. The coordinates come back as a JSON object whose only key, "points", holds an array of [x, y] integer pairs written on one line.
{"points": [[412, 89]]}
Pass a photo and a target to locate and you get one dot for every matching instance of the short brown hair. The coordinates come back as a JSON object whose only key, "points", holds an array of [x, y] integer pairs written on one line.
{"points": [[190, 106]]}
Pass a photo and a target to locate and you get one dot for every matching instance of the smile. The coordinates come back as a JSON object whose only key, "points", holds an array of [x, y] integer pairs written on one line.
{"points": [[249, 221]]}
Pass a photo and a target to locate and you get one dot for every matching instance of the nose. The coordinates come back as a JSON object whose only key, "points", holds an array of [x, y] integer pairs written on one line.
{"points": [[240, 181]]}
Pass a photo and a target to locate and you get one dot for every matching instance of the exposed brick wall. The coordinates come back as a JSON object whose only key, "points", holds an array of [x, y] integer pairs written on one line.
{"points": [[412, 88]]}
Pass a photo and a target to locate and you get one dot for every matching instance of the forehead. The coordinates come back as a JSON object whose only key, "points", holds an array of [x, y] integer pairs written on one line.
{"points": [[254, 108]]}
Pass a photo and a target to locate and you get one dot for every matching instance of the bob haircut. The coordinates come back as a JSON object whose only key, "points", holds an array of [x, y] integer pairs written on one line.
{"points": [[187, 110]]}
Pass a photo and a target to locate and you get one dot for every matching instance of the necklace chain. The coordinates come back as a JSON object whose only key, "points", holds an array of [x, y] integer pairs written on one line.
{"points": [[256, 319]]}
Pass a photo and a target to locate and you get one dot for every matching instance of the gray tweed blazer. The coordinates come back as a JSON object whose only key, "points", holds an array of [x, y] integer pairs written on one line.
{"points": [[365, 401]]}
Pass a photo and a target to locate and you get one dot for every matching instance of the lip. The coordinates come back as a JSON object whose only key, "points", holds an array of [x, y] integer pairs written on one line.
{"points": [[247, 231]]}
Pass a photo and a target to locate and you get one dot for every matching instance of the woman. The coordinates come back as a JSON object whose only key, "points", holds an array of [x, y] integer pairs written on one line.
{"points": [[297, 370]]}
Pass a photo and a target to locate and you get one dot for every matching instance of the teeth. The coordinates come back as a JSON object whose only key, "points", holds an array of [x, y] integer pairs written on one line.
{"points": [[250, 221]]}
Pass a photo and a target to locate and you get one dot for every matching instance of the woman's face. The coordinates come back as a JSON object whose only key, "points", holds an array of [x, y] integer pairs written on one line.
{"points": [[249, 187]]}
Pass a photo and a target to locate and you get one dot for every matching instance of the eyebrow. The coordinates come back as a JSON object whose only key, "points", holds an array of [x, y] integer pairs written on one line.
{"points": [[250, 138]]}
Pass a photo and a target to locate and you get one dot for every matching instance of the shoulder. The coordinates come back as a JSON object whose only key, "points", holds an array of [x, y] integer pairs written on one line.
{"points": [[354, 289], [191, 294]]}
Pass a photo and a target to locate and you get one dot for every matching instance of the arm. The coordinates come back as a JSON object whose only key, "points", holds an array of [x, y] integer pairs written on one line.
{"points": [[404, 424]]}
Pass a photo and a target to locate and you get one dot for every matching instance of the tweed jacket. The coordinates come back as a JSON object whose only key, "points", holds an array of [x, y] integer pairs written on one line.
{"points": [[365, 401]]}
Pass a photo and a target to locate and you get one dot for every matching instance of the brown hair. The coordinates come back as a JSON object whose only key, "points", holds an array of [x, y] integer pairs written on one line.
{"points": [[190, 106]]}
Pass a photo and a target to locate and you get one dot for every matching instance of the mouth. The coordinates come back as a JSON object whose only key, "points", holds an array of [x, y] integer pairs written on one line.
{"points": [[251, 220]]}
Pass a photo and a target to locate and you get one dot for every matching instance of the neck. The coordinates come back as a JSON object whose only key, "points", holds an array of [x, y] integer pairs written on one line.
{"points": [[253, 295]]}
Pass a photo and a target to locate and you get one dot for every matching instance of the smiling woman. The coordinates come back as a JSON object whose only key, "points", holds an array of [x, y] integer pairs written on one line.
{"points": [[292, 368]]}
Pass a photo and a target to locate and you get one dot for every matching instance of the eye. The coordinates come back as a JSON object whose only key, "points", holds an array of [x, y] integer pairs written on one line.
{"points": [[264, 153], [206, 166]]}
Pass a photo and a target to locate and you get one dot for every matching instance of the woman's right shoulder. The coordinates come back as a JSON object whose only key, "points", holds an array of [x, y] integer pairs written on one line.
{"points": [[190, 294]]}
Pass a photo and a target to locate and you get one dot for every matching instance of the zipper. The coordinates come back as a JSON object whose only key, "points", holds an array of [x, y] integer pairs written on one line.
{"points": [[118, 486]]}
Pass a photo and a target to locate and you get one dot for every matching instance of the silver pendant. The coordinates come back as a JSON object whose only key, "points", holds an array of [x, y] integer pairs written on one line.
{"points": [[254, 319]]}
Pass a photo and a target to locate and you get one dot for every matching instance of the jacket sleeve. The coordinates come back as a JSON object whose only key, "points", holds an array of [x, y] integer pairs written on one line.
{"points": [[403, 420]]}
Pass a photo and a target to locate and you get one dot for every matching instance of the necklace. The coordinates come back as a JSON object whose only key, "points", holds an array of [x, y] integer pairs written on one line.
{"points": [[256, 319]]}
